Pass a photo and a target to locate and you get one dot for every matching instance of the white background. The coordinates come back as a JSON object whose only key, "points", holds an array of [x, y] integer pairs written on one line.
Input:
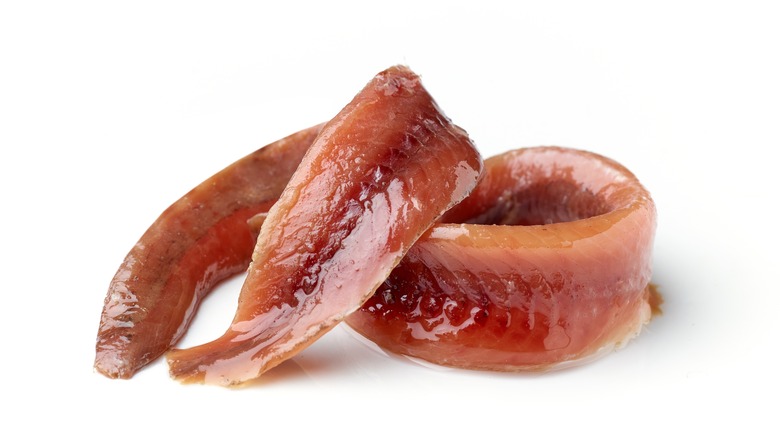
{"points": [[111, 111]]}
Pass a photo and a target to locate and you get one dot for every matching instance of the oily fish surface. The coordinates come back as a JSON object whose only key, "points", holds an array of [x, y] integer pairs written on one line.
{"points": [[546, 262], [562, 278], [379, 175]]}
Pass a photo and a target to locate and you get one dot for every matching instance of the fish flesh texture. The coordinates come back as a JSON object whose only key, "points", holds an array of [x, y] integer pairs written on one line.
{"points": [[546, 263], [198, 241], [376, 178]]}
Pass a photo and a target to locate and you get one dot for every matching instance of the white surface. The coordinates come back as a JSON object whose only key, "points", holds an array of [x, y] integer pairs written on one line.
{"points": [[109, 112]]}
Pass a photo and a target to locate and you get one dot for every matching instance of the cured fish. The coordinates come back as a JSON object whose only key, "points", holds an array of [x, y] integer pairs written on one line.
{"points": [[546, 263], [198, 241], [375, 179]]}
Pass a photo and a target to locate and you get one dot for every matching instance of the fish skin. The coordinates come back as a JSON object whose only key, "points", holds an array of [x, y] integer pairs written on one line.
{"points": [[379, 174], [473, 294], [198, 241]]}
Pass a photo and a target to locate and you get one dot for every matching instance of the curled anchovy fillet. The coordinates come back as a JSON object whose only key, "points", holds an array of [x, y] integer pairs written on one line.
{"points": [[378, 175], [546, 262]]}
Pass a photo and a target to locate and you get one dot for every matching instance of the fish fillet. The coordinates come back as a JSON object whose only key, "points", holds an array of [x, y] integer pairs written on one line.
{"points": [[378, 175], [198, 241], [547, 262]]}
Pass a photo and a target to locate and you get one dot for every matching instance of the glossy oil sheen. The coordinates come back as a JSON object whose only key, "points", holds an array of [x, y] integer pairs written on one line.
{"points": [[559, 279], [564, 277], [379, 174]]}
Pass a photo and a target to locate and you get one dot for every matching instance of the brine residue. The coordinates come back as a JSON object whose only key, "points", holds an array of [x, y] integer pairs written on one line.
{"points": [[655, 300]]}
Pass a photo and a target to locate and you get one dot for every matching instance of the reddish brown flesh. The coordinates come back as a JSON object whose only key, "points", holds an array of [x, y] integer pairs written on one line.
{"points": [[380, 173], [520, 296], [571, 280], [197, 242]]}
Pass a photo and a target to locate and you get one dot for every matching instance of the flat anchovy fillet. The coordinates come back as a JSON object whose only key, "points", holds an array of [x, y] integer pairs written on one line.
{"points": [[377, 177]]}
